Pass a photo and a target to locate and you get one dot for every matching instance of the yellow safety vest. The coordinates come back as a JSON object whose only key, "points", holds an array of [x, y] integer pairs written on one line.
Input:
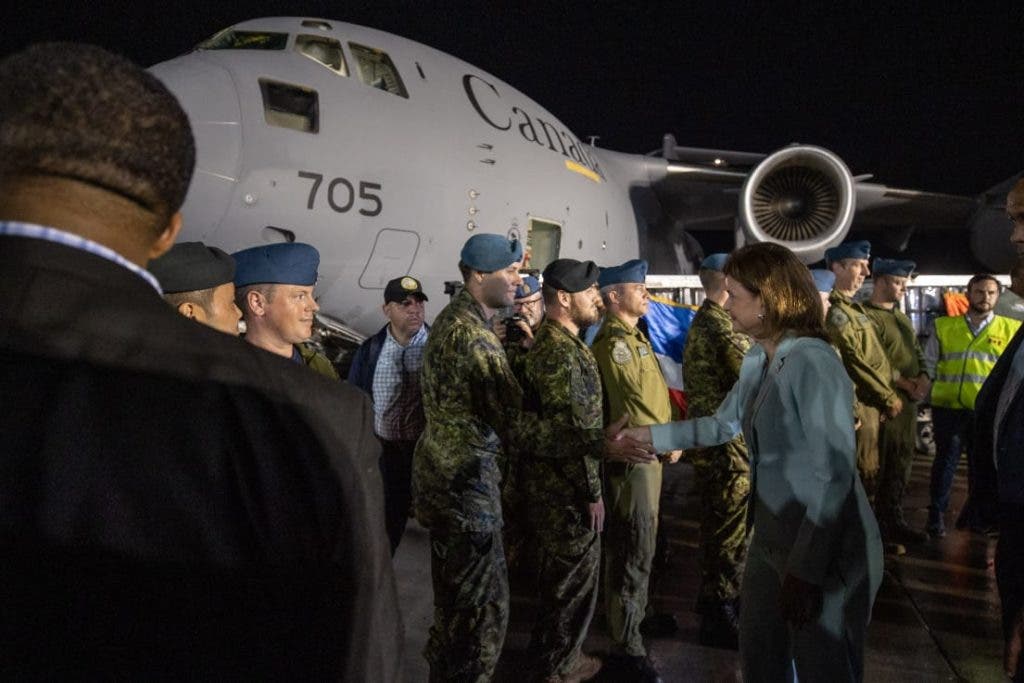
{"points": [[965, 360]]}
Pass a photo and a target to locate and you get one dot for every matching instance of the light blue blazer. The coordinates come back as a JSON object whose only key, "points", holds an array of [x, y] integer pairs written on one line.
{"points": [[808, 505]]}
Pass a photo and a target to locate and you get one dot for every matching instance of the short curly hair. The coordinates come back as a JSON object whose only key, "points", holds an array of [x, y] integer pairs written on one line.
{"points": [[76, 111]]}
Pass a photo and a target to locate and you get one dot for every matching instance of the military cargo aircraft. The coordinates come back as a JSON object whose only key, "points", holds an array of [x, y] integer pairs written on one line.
{"points": [[387, 155]]}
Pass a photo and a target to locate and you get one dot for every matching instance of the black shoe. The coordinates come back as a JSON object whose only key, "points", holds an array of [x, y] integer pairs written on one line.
{"points": [[659, 625], [628, 669], [719, 627]]}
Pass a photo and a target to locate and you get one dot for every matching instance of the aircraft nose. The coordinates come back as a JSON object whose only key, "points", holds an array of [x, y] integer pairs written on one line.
{"points": [[208, 95]]}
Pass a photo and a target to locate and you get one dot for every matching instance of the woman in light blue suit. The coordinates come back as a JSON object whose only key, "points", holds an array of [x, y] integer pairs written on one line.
{"points": [[815, 558]]}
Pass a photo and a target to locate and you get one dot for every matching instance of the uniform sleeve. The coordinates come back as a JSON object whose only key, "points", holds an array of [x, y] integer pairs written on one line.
{"points": [[931, 351], [823, 477], [874, 383], [713, 430], [500, 398]]}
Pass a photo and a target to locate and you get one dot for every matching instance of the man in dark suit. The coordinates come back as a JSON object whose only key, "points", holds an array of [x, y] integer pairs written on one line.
{"points": [[174, 502], [999, 444]]}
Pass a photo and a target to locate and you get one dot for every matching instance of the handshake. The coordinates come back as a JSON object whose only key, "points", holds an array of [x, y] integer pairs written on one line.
{"points": [[632, 444]]}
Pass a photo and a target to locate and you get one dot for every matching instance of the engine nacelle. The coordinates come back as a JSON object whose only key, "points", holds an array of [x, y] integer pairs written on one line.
{"points": [[802, 197]]}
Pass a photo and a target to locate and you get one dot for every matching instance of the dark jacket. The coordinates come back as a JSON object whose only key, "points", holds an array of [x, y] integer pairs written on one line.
{"points": [[364, 363], [174, 501], [1007, 485]]}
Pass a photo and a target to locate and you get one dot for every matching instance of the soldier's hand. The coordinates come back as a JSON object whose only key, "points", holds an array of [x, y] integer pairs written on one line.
{"points": [[527, 340], [672, 457], [615, 427], [596, 512], [922, 387], [895, 408]]}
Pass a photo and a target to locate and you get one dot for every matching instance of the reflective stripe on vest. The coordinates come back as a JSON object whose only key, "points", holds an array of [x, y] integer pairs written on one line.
{"points": [[965, 360]]}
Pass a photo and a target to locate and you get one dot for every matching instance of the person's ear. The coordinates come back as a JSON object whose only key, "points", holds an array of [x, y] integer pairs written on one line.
{"points": [[165, 240], [254, 302], [187, 309]]}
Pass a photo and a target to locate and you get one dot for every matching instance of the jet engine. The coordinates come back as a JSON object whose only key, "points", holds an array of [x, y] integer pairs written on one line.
{"points": [[802, 197]]}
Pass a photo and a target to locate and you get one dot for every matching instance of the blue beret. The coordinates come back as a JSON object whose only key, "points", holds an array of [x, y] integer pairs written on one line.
{"points": [[286, 263], [824, 280], [488, 252], [630, 271], [529, 287], [714, 262], [888, 266], [858, 250], [192, 267]]}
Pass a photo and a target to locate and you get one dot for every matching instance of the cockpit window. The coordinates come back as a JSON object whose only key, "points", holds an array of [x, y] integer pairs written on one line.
{"points": [[230, 39], [290, 106], [326, 51], [377, 70]]}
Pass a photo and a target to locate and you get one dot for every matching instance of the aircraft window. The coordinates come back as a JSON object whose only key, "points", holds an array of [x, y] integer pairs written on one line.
{"points": [[312, 23], [376, 69], [327, 51], [229, 39], [290, 106], [543, 240]]}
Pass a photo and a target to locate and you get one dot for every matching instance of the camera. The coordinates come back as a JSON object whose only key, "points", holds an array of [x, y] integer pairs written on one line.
{"points": [[513, 333]]}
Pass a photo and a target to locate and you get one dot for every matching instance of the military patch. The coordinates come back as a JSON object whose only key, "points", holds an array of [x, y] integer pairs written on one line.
{"points": [[409, 284], [620, 352], [837, 317], [642, 351]]}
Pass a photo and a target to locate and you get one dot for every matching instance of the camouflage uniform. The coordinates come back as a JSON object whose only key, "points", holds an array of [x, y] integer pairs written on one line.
{"points": [[711, 365], [633, 384], [897, 435], [864, 358], [317, 362], [472, 405], [563, 380]]}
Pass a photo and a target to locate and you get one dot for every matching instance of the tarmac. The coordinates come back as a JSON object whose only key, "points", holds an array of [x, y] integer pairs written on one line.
{"points": [[936, 617]]}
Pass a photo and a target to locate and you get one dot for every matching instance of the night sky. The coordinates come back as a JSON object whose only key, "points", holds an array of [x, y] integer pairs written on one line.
{"points": [[919, 96]]}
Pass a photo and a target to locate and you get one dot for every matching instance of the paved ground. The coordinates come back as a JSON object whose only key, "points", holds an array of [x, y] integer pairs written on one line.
{"points": [[936, 617]]}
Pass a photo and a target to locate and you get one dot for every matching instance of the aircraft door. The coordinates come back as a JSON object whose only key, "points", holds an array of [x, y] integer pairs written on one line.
{"points": [[543, 241]]}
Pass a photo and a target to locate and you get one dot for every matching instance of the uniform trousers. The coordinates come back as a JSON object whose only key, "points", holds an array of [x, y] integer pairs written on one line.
{"points": [[632, 494], [896, 439], [470, 605], [867, 448], [396, 472]]}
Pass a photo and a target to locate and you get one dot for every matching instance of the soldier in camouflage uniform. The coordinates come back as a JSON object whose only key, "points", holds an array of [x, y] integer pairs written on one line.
{"points": [[562, 490], [711, 365], [472, 404], [633, 384], [897, 436], [863, 356]]}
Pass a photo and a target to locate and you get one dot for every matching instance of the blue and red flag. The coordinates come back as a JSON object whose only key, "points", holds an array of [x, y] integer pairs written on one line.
{"points": [[668, 324]]}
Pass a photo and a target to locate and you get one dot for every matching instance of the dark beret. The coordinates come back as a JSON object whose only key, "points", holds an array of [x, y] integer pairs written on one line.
{"points": [[860, 250], [630, 271], [529, 287], [285, 263], [401, 287], [191, 267], [888, 266], [488, 252], [570, 275]]}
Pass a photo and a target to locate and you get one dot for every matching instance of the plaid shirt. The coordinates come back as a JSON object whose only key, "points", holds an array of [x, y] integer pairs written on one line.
{"points": [[398, 407]]}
